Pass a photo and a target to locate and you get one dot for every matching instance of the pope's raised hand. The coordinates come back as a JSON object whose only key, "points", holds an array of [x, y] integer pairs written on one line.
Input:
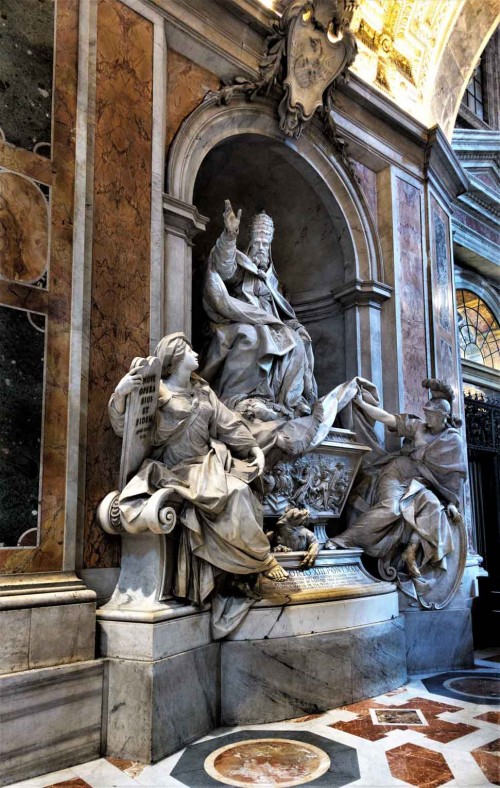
{"points": [[231, 220]]}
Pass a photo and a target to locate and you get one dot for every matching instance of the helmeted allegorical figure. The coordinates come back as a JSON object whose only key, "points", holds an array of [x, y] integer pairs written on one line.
{"points": [[260, 358], [409, 500]]}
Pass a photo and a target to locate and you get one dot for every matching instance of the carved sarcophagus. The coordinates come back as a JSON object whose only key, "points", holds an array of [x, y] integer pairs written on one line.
{"points": [[319, 480]]}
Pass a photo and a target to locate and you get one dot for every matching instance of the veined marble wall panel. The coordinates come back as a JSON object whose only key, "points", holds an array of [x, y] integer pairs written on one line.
{"points": [[25, 244], [411, 295], [368, 183], [443, 311], [187, 84], [26, 64], [55, 301], [120, 295]]}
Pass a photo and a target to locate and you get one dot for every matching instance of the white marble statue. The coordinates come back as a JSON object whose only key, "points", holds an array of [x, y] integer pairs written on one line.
{"points": [[260, 357], [410, 499], [203, 458]]}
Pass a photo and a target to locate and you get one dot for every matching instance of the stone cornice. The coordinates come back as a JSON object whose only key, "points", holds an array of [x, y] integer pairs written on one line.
{"points": [[480, 375], [443, 167], [362, 293], [45, 588], [181, 218], [384, 108], [476, 142], [216, 36]]}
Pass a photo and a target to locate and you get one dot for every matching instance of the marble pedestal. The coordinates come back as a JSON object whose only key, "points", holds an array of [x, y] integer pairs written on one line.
{"points": [[442, 639], [163, 686], [285, 662], [168, 683], [50, 684], [438, 640], [50, 719]]}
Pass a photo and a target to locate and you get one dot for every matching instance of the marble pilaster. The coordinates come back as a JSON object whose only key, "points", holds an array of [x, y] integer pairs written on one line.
{"points": [[362, 302], [182, 222]]}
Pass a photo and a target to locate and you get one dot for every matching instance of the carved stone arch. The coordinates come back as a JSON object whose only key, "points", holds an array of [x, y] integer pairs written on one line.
{"points": [[472, 30], [211, 124], [361, 292]]}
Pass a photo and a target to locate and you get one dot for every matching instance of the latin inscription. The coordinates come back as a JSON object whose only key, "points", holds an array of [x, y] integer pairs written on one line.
{"points": [[323, 577]]}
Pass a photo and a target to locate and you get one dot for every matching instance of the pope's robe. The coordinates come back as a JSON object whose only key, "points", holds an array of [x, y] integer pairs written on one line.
{"points": [[258, 347]]}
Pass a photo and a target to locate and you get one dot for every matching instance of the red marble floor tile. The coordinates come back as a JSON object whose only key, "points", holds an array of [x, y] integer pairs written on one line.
{"points": [[487, 757], [430, 708], [132, 768], [490, 716], [77, 782], [418, 766], [307, 717], [267, 762], [437, 729]]}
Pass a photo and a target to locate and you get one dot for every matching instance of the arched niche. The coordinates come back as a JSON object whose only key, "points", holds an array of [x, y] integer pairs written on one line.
{"points": [[324, 237]]}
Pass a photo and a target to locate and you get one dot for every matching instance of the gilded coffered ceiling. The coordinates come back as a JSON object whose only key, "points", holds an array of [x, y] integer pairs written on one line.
{"points": [[420, 53]]}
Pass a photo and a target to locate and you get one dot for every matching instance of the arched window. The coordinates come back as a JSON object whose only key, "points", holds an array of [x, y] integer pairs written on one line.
{"points": [[478, 330]]}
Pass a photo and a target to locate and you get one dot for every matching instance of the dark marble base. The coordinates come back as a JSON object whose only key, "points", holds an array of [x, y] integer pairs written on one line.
{"points": [[277, 679], [438, 639], [156, 707], [474, 686]]}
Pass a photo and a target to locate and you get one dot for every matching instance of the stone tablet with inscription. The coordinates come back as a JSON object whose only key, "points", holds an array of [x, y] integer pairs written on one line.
{"points": [[335, 575], [139, 418]]}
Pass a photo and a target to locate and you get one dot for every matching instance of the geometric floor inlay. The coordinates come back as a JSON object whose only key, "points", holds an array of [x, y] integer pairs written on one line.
{"points": [[487, 757], [486, 687], [268, 761], [474, 686], [404, 737], [424, 710], [490, 716], [284, 762], [418, 766], [397, 717]]}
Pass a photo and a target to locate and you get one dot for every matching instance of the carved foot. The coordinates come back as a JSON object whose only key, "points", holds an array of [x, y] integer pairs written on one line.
{"points": [[409, 557], [329, 545], [276, 572]]}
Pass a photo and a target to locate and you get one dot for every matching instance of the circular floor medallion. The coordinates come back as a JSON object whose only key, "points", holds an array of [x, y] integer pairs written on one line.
{"points": [[476, 686], [267, 762]]}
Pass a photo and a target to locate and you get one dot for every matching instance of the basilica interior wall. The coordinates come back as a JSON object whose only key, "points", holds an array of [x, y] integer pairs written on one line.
{"points": [[99, 244], [120, 290], [37, 173], [313, 247]]}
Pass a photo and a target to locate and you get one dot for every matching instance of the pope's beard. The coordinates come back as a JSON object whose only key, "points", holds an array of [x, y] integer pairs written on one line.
{"points": [[261, 260]]}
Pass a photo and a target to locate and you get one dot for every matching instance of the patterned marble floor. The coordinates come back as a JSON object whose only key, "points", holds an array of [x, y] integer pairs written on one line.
{"points": [[437, 730]]}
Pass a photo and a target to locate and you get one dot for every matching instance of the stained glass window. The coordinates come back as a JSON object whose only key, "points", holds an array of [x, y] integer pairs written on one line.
{"points": [[478, 330]]}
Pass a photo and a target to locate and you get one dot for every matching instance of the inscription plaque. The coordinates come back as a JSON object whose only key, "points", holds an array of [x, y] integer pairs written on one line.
{"points": [[332, 577], [139, 418]]}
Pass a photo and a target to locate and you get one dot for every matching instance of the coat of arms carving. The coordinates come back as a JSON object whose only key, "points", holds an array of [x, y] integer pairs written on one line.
{"points": [[310, 49]]}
